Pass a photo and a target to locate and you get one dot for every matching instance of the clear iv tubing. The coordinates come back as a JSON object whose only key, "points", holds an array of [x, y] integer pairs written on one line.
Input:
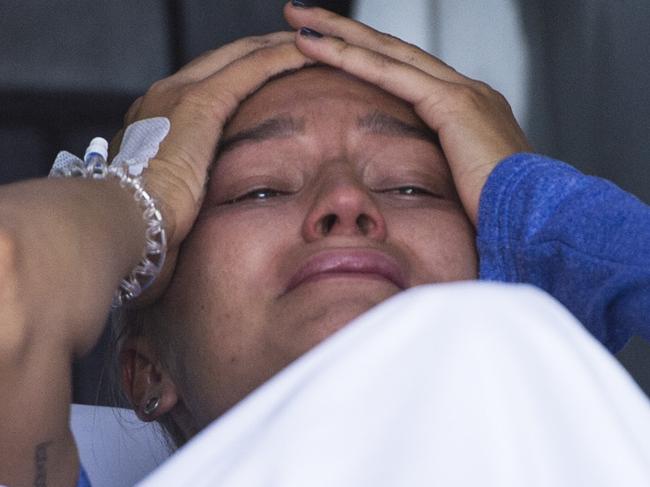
{"points": [[95, 158]]}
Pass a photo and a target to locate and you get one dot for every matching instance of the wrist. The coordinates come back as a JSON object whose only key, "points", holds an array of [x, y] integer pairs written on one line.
{"points": [[126, 168]]}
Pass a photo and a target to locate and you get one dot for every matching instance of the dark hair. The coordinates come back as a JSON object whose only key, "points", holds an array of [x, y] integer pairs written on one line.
{"points": [[143, 322]]}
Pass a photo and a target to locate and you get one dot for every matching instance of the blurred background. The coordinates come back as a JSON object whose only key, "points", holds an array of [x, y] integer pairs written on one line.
{"points": [[576, 73]]}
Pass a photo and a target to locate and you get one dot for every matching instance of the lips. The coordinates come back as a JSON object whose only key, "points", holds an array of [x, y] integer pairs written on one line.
{"points": [[349, 263]]}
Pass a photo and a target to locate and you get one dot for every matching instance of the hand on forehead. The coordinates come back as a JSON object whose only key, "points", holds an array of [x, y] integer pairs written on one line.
{"points": [[321, 115], [474, 124]]}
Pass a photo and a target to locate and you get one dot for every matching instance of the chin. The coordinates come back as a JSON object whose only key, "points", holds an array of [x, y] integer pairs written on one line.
{"points": [[327, 316]]}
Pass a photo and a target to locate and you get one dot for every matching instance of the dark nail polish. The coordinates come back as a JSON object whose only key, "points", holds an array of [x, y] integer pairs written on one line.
{"points": [[306, 3], [307, 32]]}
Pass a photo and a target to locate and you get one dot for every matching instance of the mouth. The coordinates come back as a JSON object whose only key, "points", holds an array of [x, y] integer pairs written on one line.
{"points": [[349, 263]]}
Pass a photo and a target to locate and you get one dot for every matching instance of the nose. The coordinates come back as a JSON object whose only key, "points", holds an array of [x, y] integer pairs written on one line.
{"points": [[344, 208]]}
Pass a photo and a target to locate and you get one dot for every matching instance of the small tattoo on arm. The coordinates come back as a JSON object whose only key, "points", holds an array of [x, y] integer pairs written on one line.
{"points": [[40, 461]]}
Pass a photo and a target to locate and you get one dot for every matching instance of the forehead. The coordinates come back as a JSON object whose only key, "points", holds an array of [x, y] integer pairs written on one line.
{"points": [[317, 87]]}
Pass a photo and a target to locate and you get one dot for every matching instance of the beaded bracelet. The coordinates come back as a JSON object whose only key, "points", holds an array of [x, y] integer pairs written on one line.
{"points": [[94, 166], [155, 250]]}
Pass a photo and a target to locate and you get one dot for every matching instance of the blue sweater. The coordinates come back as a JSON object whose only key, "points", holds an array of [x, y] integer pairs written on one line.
{"points": [[580, 238]]}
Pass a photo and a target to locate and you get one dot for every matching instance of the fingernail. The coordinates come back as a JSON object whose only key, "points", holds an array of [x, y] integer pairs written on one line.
{"points": [[307, 32], [301, 4]]}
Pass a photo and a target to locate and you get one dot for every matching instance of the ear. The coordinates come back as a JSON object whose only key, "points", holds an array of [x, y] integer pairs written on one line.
{"points": [[144, 378]]}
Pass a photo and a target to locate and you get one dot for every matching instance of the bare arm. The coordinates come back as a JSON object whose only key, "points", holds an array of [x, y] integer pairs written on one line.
{"points": [[63, 250], [65, 244]]}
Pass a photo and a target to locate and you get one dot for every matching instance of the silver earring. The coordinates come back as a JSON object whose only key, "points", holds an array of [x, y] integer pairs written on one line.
{"points": [[151, 406]]}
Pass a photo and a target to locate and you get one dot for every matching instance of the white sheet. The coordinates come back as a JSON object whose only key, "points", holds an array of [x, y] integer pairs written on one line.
{"points": [[459, 385]]}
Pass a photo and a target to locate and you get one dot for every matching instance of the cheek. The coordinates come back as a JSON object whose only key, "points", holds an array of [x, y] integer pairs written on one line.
{"points": [[440, 243], [229, 257], [220, 295]]}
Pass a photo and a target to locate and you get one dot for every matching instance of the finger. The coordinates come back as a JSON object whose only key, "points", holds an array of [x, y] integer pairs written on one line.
{"points": [[206, 105], [212, 61], [399, 78], [437, 102], [356, 33], [242, 77], [198, 114]]}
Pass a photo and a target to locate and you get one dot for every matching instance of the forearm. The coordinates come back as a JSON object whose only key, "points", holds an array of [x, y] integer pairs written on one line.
{"points": [[580, 238], [64, 245], [67, 244]]}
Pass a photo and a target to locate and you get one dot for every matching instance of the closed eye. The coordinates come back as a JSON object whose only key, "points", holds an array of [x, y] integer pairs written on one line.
{"points": [[411, 191], [260, 194]]}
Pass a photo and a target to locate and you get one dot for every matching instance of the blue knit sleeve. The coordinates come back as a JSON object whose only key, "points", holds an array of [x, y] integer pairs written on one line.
{"points": [[83, 478], [580, 238]]}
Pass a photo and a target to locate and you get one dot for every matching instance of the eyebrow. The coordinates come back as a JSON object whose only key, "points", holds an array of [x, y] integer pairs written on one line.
{"points": [[272, 128], [376, 122], [384, 124]]}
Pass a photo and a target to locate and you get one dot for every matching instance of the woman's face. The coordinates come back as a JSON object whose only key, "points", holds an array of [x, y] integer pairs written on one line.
{"points": [[329, 196]]}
